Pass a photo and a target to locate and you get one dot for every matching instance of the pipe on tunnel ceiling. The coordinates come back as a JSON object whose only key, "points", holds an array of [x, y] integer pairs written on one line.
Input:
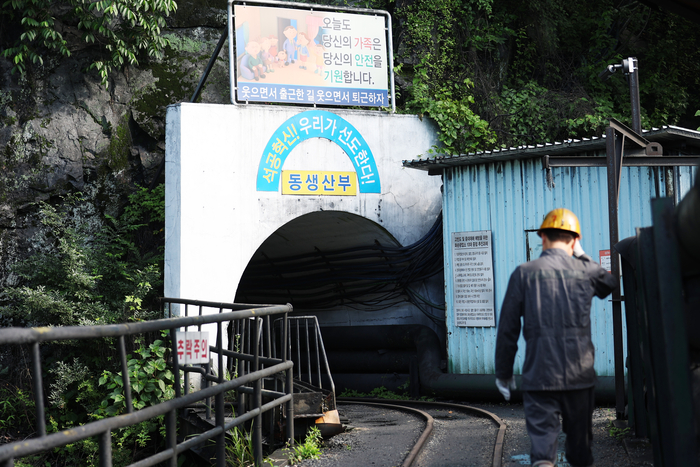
{"points": [[424, 341]]}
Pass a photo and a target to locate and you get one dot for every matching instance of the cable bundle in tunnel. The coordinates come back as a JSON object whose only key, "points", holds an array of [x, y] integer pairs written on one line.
{"points": [[369, 277]]}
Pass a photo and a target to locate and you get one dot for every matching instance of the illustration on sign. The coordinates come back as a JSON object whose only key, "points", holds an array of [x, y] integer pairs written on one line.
{"points": [[304, 56], [472, 276], [317, 124]]}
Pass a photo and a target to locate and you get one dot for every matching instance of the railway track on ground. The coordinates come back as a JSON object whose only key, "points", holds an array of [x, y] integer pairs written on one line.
{"points": [[416, 434]]}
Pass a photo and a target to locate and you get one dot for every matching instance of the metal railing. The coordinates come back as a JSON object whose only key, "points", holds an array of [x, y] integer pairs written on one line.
{"points": [[252, 365], [308, 353]]}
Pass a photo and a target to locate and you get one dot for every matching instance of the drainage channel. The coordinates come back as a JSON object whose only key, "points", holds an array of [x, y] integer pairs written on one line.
{"points": [[413, 434]]}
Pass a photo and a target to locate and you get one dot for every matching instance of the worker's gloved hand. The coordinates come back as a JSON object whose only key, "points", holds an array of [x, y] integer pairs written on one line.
{"points": [[505, 385], [578, 251]]}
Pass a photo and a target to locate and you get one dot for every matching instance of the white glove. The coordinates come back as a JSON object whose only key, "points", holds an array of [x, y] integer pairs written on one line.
{"points": [[578, 251], [505, 385]]}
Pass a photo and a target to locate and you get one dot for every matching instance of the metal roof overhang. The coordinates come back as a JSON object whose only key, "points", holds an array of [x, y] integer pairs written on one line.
{"points": [[585, 152]]}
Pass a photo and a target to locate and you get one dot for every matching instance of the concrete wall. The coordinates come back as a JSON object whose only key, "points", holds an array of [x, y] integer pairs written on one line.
{"points": [[216, 217]]}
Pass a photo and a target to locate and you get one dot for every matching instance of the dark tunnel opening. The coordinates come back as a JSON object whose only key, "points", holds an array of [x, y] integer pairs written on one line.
{"points": [[333, 259]]}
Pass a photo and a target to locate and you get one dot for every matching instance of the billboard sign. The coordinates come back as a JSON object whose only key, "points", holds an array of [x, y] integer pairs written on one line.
{"points": [[310, 57]]}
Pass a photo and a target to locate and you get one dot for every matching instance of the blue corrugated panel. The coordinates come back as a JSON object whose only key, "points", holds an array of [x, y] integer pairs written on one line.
{"points": [[510, 198]]}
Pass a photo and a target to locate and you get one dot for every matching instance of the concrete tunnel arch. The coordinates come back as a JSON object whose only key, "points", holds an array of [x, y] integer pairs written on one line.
{"points": [[304, 263], [217, 217]]}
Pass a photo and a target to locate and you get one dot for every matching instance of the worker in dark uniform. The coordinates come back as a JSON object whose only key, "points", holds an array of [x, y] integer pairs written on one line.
{"points": [[552, 295]]}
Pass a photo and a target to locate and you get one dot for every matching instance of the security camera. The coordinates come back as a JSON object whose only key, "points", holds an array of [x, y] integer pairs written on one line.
{"points": [[609, 71], [628, 66]]}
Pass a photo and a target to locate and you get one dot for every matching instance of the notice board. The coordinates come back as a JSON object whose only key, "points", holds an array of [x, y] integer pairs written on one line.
{"points": [[473, 299]]}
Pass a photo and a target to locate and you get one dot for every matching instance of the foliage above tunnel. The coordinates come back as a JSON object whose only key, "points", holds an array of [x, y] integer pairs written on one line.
{"points": [[490, 73], [498, 73], [122, 30]]}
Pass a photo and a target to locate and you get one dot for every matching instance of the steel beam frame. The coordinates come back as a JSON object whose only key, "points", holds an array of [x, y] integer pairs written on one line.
{"points": [[616, 136], [628, 161]]}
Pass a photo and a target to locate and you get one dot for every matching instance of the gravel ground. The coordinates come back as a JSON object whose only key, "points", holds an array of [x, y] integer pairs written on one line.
{"points": [[608, 450], [458, 439], [378, 438], [375, 437]]}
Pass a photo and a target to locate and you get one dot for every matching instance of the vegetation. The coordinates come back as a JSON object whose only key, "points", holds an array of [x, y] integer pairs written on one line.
{"points": [[489, 73], [122, 30], [377, 393], [240, 450], [618, 433], [383, 393], [81, 273], [84, 274], [309, 449], [496, 73]]}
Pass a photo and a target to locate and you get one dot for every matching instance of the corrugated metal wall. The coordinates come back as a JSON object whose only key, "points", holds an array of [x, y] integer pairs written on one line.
{"points": [[509, 198]]}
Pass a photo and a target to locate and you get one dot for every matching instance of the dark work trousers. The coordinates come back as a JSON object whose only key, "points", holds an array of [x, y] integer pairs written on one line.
{"points": [[542, 411]]}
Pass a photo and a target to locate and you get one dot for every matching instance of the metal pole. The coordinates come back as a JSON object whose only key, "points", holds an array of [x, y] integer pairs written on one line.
{"points": [[242, 328], [633, 73], [204, 382], [308, 351], [176, 367], [257, 429], [210, 65], [125, 376], [317, 337], [171, 436], [105, 442], [231, 59], [220, 421], [289, 381], [38, 390], [614, 150], [219, 402], [390, 50]]}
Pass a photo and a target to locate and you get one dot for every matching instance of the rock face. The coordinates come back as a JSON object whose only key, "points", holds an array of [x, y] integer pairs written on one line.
{"points": [[61, 131]]}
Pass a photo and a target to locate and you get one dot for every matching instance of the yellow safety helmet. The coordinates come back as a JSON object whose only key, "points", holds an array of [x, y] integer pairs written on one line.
{"points": [[561, 219]]}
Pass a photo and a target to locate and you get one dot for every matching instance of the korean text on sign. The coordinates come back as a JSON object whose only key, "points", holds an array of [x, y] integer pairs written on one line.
{"points": [[192, 347], [472, 279], [309, 182]]}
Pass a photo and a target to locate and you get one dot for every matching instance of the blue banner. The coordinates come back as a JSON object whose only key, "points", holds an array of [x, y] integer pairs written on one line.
{"points": [[269, 92], [317, 124]]}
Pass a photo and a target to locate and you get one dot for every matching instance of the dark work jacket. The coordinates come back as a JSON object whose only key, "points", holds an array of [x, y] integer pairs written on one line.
{"points": [[553, 296]]}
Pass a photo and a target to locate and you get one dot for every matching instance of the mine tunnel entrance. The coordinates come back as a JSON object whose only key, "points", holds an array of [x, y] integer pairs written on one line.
{"points": [[334, 263], [331, 259]]}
